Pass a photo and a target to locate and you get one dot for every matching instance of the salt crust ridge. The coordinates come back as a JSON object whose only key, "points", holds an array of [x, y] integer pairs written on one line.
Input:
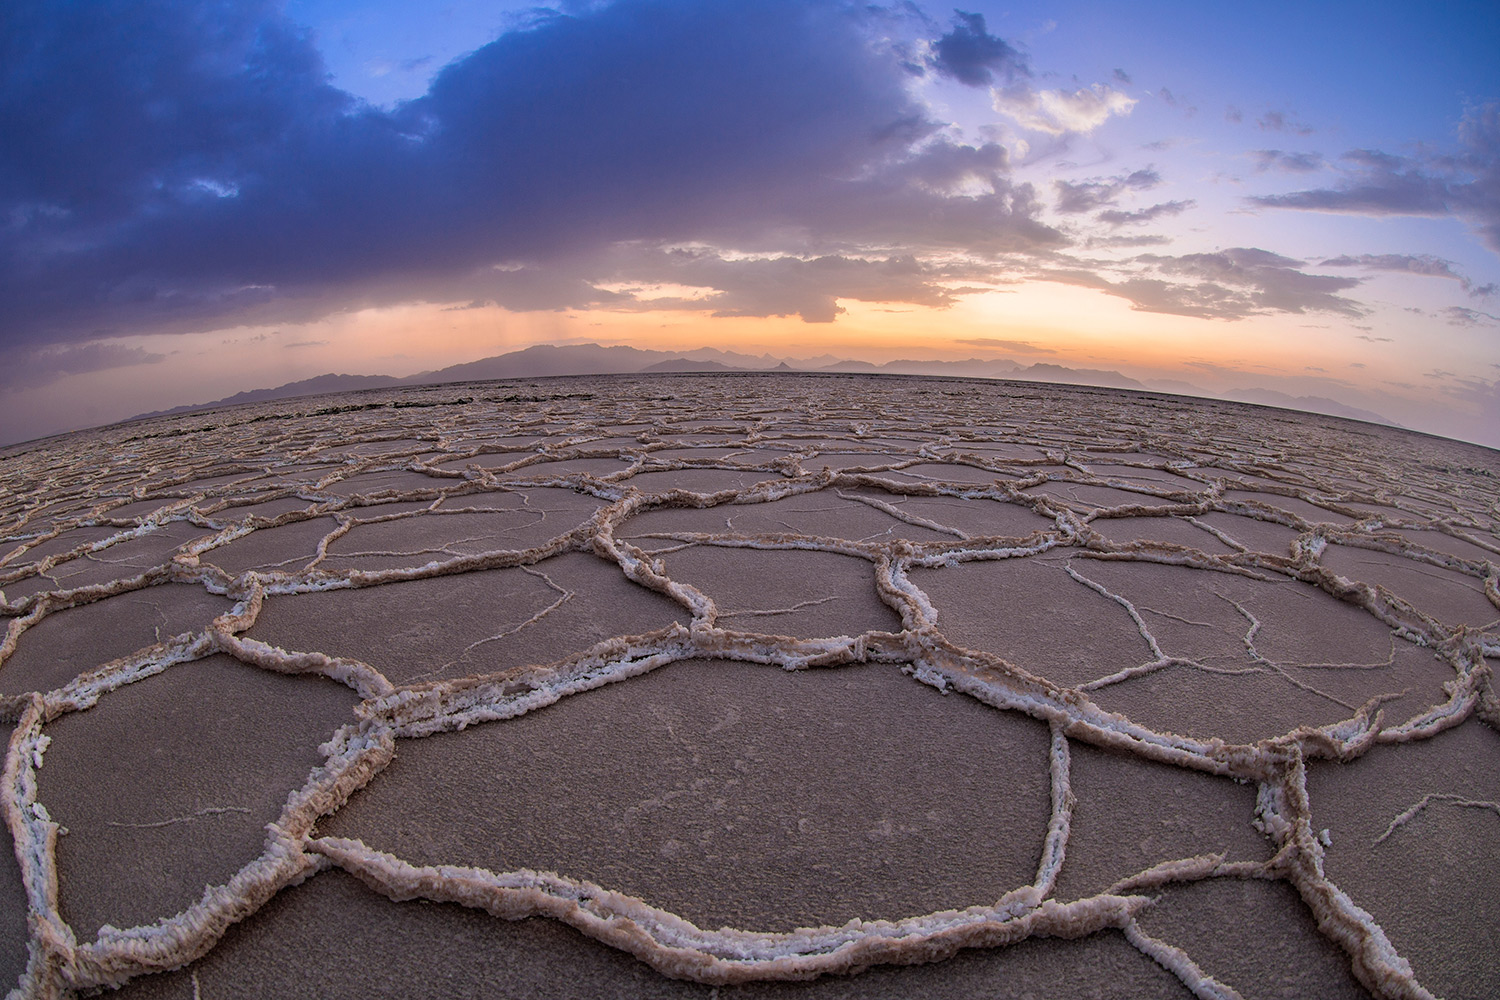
{"points": [[77, 481]]}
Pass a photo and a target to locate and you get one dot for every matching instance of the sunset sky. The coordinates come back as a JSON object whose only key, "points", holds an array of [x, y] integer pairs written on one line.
{"points": [[202, 198]]}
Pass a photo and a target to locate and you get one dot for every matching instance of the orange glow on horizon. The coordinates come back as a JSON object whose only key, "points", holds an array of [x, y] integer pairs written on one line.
{"points": [[1028, 323]]}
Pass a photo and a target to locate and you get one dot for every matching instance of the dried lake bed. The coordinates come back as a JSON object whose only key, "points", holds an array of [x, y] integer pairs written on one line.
{"points": [[769, 685]]}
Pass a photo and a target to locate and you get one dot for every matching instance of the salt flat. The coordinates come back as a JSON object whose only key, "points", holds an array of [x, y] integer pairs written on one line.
{"points": [[670, 685]]}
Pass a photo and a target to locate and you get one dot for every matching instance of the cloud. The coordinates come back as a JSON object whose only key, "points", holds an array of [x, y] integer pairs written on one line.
{"points": [[28, 369], [1014, 346], [167, 165], [1271, 282], [1374, 184], [1377, 183], [704, 279], [306, 343], [1227, 284], [1168, 208], [1085, 196], [972, 56], [1056, 112], [1423, 264], [785, 286], [1122, 77], [1103, 192], [1461, 316], [1372, 340], [1142, 240], [1171, 100], [1279, 121], [1294, 163]]}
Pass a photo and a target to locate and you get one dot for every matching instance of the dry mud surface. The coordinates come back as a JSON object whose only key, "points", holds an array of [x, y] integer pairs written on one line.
{"points": [[739, 686]]}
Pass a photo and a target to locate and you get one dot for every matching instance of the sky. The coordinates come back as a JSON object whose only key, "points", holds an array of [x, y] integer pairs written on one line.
{"points": [[199, 198]]}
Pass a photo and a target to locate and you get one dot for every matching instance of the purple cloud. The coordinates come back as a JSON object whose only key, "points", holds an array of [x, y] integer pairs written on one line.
{"points": [[1168, 208], [1295, 163], [1227, 284], [170, 164], [1085, 196], [972, 56], [1423, 264], [1377, 183]]}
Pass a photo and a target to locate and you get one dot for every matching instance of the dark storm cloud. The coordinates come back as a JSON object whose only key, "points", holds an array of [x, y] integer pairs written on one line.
{"points": [[972, 56], [170, 164], [1423, 264], [1377, 183], [107, 111]]}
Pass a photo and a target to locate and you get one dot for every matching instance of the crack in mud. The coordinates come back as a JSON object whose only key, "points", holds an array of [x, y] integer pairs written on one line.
{"points": [[987, 455]]}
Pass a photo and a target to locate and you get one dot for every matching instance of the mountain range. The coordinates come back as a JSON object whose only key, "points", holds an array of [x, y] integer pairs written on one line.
{"points": [[593, 359]]}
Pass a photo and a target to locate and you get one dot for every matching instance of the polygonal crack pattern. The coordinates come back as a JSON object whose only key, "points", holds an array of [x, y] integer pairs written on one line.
{"points": [[1099, 692], [167, 785], [734, 795]]}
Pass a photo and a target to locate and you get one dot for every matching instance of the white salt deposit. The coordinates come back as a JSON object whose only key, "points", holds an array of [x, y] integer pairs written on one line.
{"points": [[1335, 485]]}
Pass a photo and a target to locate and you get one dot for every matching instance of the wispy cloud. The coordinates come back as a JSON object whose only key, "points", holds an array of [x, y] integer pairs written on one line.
{"points": [[1085, 196], [1114, 217], [1461, 316], [1294, 163], [1280, 121], [1013, 346], [1423, 264], [1378, 183], [1227, 284]]}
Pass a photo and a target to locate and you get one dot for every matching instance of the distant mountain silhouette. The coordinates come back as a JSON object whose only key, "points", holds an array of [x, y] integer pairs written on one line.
{"points": [[318, 385], [980, 367], [688, 365], [1315, 404], [1045, 372], [593, 359], [546, 359]]}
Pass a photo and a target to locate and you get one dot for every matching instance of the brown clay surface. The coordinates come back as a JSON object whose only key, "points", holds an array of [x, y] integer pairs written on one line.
{"points": [[1429, 812], [659, 665], [166, 786]]}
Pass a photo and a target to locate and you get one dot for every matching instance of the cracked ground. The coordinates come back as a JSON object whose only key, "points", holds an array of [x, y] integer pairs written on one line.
{"points": [[690, 686]]}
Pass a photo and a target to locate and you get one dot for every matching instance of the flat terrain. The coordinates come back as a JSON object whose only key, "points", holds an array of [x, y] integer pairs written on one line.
{"points": [[750, 686]]}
